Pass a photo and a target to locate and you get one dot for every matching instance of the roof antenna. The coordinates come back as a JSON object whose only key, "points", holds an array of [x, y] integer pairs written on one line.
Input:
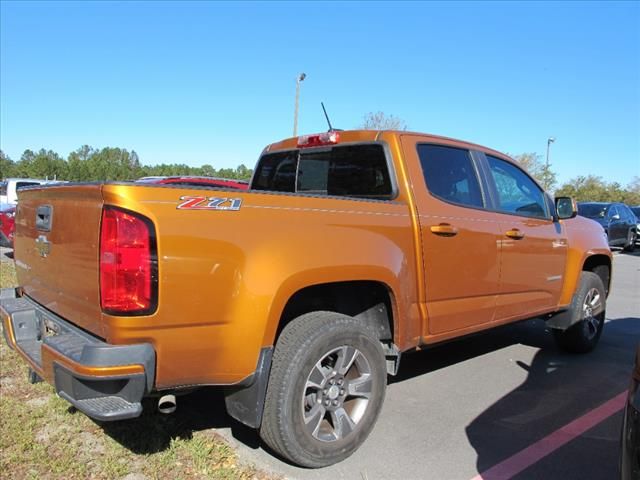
{"points": [[331, 129]]}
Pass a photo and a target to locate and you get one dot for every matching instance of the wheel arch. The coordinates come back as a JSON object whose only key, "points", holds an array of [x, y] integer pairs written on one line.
{"points": [[601, 266], [371, 301]]}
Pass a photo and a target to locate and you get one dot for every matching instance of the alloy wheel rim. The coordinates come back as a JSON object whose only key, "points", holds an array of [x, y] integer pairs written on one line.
{"points": [[591, 310], [337, 393]]}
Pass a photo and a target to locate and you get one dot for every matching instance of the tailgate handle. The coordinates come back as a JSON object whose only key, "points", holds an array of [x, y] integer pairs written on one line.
{"points": [[44, 214]]}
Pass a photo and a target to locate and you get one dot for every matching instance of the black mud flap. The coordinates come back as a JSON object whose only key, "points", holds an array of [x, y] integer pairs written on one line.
{"points": [[245, 403]]}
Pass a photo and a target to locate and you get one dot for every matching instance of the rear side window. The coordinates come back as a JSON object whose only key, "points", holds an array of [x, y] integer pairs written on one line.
{"points": [[450, 175], [359, 171], [517, 192], [3, 188]]}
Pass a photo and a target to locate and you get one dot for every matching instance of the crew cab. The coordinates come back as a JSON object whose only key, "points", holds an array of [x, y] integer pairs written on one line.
{"points": [[298, 296]]}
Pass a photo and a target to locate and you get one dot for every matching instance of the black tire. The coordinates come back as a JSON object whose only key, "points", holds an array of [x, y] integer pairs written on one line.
{"points": [[630, 246], [304, 378], [587, 315]]}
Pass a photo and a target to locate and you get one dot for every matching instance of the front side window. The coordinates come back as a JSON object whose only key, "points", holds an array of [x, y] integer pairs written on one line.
{"points": [[450, 175], [517, 192], [3, 188], [359, 171]]}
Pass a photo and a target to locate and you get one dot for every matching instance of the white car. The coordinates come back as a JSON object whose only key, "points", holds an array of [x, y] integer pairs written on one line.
{"points": [[9, 188]]}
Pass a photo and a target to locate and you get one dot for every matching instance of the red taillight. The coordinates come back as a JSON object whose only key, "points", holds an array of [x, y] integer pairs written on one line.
{"points": [[128, 280], [318, 139]]}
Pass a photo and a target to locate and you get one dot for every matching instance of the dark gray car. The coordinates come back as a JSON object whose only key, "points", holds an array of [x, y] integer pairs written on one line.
{"points": [[618, 221], [636, 212]]}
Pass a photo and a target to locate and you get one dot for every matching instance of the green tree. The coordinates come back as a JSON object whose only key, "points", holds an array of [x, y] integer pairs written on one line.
{"points": [[78, 164], [632, 192], [590, 188], [89, 164], [243, 173], [43, 164], [7, 166], [533, 164]]}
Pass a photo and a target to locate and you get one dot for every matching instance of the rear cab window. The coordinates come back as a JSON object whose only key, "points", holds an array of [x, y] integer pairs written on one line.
{"points": [[355, 171]]}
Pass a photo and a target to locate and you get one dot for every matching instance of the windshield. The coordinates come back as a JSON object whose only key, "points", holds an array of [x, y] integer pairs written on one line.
{"points": [[636, 211], [592, 210], [359, 171]]}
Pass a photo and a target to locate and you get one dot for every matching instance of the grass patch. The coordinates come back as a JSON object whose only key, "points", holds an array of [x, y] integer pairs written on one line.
{"points": [[7, 275], [42, 436]]}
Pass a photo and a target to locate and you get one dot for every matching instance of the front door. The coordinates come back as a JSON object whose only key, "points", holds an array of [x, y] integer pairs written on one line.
{"points": [[534, 246]]}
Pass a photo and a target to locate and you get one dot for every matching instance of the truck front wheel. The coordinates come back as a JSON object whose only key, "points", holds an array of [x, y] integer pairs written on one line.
{"points": [[587, 312], [326, 388]]}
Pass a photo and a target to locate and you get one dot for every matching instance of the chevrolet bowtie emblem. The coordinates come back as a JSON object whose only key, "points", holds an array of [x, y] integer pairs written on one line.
{"points": [[43, 246]]}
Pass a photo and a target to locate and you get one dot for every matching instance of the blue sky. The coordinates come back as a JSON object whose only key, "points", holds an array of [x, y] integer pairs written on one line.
{"points": [[214, 82]]}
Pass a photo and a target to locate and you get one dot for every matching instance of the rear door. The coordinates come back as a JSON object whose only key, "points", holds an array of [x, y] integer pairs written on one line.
{"points": [[459, 237], [534, 246]]}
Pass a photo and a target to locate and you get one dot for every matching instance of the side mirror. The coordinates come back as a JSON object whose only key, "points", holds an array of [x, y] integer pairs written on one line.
{"points": [[615, 217], [566, 207]]}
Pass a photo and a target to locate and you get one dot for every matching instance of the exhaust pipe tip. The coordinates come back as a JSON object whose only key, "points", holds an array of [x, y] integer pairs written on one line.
{"points": [[167, 404]]}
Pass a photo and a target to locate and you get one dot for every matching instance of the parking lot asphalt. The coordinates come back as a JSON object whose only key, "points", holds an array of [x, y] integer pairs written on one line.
{"points": [[459, 409]]}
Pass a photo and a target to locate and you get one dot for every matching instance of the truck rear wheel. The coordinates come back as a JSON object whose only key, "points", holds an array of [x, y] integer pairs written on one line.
{"points": [[588, 312], [326, 388]]}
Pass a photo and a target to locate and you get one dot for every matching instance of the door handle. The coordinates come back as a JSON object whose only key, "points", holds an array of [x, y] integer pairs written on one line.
{"points": [[515, 234], [444, 229]]}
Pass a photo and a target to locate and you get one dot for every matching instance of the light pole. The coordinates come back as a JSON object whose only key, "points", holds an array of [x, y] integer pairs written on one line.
{"points": [[550, 140], [299, 79]]}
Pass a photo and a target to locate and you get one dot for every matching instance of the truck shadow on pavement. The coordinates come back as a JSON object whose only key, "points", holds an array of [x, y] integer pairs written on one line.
{"points": [[555, 383], [204, 409], [530, 332], [559, 388]]}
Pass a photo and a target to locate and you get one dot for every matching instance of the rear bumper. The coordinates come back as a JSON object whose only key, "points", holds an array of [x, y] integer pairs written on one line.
{"points": [[104, 381]]}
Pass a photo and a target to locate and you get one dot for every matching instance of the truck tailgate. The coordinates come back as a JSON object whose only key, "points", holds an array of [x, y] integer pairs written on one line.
{"points": [[57, 250]]}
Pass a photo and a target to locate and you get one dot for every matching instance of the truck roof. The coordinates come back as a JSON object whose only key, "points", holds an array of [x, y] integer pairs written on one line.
{"points": [[373, 135]]}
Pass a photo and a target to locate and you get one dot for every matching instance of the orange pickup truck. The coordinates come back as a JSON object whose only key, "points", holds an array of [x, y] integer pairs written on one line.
{"points": [[299, 295]]}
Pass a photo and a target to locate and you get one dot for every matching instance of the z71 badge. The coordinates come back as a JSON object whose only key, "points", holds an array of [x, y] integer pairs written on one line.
{"points": [[209, 203]]}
